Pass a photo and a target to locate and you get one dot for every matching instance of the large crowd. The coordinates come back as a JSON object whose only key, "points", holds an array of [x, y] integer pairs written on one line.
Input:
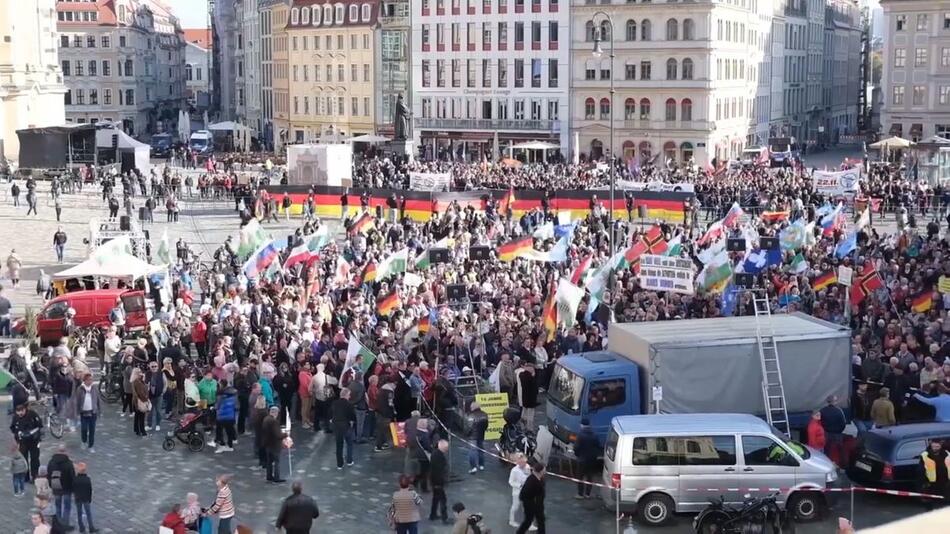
{"points": [[245, 351]]}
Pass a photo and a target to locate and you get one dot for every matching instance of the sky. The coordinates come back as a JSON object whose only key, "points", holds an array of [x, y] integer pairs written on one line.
{"points": [[192, 13]]}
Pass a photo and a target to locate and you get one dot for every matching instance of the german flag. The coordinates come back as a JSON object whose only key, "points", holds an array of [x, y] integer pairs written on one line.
{"points": [[369, 273], [507, 204], [824, 281], [364, 223], [424, 324], [512, 249], [922, 302], [386, 305], [549, 315]]}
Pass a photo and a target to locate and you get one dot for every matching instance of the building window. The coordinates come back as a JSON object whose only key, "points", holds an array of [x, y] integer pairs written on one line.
{"points": [[589, 109], [629, 109], [366, 106], [553, 33], [502, 73], [901, 22], [188, 73], [80, 97], [121, 39], [65, 68], [440, 73], [631, 30], [130, 97], [672, 30], [354, 73], [365, 72], [327, 15], [93, 97], [900, 57], [519, 35], [198, 74], [646, 30], [589, 31], [687, 69], [552, 73], [630, 71], [107, 97], [295, 16], [944, 95], [365, 9], [93, 67], [686, 110], [470, 73], [604, 108], [671, 69], [129, 70], [79, 68], [898, 95], [426, 80], [646, 69], [105, 41], [296, 105], [605, 70], [920, 57], [923, 21], [354, 17], [644, 109], [64, 41], [945, 57], [920, 95], [77, 41], [107, 68], [295, 71], [689, 30], [456, 73], [535, 73], [519, 73], [329, 73], [670, 109], [341, 105]]}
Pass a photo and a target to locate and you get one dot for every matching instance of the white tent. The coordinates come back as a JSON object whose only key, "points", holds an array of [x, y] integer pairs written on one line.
{"points": [[891, 143], [124, 266], [127, 144], [369, 138]]}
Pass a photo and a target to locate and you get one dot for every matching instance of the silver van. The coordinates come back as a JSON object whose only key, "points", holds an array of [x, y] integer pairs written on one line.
{"points": [[678, 463]]}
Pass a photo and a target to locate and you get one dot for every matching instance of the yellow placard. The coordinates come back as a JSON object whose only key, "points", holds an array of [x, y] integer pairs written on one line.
{"points": [[494, 406], [943, 284]]}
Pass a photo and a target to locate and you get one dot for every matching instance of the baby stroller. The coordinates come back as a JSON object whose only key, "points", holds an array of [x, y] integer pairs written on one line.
{"points": [[515, 437], [188, 431]]}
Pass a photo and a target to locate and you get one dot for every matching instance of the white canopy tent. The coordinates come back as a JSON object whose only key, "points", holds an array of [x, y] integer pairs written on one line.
{"points": [[140, 151], [369, 138], [124, 266], [891, 143]]}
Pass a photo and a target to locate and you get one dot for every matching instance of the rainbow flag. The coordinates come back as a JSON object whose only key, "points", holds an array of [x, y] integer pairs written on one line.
{"points": [[386, 306], [824, 281], [260, 260], [512, 249]]}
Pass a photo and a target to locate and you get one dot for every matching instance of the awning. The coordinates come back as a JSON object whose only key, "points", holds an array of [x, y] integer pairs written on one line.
{"points": [[369, 138], [535, 145], [891, 143]]}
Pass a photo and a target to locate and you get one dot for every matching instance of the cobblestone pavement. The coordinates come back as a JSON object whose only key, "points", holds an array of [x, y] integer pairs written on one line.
{"points": [[135, 481]]}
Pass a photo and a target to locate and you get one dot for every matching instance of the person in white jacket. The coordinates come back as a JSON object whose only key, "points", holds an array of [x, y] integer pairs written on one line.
{"points": [[519, 473]]}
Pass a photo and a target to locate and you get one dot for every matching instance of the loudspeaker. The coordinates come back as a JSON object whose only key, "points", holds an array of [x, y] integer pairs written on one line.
{"points": [[438, 255], [768, 243], [736, 244], [115, 141], [456, 292], [744, 280], [124, 224], [479, 253], [642, 212]]}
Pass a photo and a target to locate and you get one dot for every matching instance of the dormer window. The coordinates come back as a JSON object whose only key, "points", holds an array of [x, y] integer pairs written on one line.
{"points": [[327, 15], [339, 14], [354, 13], [305, 15], [295, 16], [316, 16], [366, 12]]}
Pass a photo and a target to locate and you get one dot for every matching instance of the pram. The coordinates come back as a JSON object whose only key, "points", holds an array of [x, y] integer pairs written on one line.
{"points": [[189, 431]]}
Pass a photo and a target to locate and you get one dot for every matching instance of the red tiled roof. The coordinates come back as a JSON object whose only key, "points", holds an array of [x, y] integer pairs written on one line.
{"points": [[347, 20], [106, 9], [199, 36]]}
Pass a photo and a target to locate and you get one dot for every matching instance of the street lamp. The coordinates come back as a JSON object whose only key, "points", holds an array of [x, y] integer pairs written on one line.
{"points": [[598, 52]]}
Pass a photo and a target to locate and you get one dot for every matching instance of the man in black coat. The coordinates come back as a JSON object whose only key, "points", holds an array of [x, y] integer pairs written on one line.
{"points": [[532, 499], [272, 441], [344, 417], [298, 511], [61, 473], [27, 428], [586, 449], [439, 477]]}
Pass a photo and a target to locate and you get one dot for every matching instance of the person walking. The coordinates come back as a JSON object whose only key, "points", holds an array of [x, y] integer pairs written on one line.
{"points": [[404, 513], [31, 202], [14, 263], [88, 405], [516, 479], [344, 417], [297, 511], [532, 498], [27, 427], [586, 449], [477, 426], [140, 402], [58, 206], [527, 393], [59, 244], [15, 193], [223, 505], [385, 412], [439, 477], [60, 473], [156, 389], [82, 491], [225, 418], [272, 441]]}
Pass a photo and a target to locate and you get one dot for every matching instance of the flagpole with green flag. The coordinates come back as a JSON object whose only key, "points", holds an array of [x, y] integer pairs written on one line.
{"points": [[353, 349]]}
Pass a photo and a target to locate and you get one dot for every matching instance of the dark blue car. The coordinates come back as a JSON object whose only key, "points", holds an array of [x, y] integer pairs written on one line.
{"points": [[890, 457]]}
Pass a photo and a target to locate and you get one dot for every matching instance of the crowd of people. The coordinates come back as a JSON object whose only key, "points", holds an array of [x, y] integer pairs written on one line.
{"points": [[349, 340]]}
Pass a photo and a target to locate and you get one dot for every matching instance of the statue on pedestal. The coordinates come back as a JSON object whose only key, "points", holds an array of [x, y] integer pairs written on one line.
{"points": [[401, 121]]}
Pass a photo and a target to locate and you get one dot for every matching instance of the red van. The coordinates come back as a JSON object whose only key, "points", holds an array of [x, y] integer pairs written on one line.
{"points": [[92, 309]]}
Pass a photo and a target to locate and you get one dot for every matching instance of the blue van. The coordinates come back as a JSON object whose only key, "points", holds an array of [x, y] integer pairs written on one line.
{"points": [[594, 385]]}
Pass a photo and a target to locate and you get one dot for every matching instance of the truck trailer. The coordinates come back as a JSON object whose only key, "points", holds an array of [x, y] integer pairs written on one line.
{"points": [[698, 366]]}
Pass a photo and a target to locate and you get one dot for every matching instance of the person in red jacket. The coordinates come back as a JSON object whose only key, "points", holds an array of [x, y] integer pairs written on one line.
{"points": [[816, 433], [174, 521], [199, 336]]}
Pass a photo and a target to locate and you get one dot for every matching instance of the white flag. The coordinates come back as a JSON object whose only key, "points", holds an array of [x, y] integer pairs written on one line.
{"points": [[568, 298], [545, 231]]}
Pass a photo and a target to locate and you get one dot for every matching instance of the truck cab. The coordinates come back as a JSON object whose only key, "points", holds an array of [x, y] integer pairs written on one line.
{"points": [[597, 386]]}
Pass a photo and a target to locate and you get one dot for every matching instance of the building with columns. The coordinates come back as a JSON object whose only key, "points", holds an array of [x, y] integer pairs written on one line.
{"points": [[31, 84], [489, 74], [685, 76]]}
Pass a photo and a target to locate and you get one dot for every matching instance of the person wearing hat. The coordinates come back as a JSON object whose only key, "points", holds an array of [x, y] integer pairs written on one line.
{"points": [[586, 449], [882, 410]]}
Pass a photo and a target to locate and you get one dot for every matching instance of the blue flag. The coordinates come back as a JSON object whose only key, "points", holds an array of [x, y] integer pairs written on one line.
{"points": [[729, 298], [847, 245], [759, 259]]}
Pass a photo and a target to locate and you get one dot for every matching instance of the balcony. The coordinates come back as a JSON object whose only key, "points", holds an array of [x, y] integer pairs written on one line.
{"points": [[489, 124]]}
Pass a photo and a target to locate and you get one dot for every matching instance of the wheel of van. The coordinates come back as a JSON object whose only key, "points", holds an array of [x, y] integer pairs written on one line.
{"points": [[805, 507], [655, 509]]}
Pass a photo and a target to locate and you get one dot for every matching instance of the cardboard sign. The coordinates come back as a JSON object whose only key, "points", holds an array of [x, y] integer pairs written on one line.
{"points": [[430, 181], [667, 273], [844, 275], [494, 406]]}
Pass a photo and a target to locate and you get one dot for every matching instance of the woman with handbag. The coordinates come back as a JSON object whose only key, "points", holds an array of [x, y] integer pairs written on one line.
{"points": [[140, 401]]}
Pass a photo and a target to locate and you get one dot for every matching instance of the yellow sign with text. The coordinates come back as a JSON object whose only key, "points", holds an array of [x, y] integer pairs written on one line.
{"points": [[494, 406]]}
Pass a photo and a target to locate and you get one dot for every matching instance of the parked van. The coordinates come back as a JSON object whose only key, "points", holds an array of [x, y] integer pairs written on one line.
{"points": [[678, 462], [92, 309]]}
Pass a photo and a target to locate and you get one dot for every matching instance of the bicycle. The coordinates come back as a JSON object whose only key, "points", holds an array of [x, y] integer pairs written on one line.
{"points": [[51, 420], [87, 338]]}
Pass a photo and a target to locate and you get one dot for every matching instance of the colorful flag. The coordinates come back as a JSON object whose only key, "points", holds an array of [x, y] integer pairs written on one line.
{"points": [[764, 156], [422, 262], [342, 275], [545, 231], [369, 274], [824, 281], [728, 302], [299, 254], [394, 264], [733, 215], [675, 246], [792, 237], [260, 260], [799, 264], [774, 216], [425, 323], [512, 249], [112, 249], [922, 302], [274, 269], [353, 349], [716, 275], [549, 314], [831, 220], [5, 378], [364, 223], [557, 253], [714, 233], [388, 304], [568, 297], [319, 239], [760, 259], [581, 269], [847, 245], [864, 219], [251, 238], [654, 241], [865, 284]]}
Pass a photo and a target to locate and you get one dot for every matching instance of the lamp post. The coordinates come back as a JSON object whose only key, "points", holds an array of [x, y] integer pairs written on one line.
{"points": [[598, 52]]}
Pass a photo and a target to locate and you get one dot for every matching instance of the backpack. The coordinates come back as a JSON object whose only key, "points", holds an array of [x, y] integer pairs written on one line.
{"points": [[56, 480]]}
